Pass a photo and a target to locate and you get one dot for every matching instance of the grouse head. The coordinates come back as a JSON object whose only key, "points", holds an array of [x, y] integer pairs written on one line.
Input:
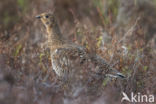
{"points": [[48, 19]]}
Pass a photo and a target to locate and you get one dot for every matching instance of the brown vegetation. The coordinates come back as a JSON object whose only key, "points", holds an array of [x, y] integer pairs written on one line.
{"points": [[124, 33]]}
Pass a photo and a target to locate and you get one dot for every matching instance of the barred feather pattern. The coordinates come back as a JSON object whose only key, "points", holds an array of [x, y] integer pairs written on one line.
{"points": [[71, 61]]}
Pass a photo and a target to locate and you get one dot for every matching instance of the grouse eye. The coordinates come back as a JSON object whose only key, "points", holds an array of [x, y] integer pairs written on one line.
{"points": [[47, 16]]}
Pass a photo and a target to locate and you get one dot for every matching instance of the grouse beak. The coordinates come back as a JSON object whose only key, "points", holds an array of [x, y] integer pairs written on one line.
{"points": [[38, 17], [115, 74]]}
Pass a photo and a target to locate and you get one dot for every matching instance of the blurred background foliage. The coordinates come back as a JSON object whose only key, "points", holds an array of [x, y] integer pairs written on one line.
{"points": [[121, 31]]}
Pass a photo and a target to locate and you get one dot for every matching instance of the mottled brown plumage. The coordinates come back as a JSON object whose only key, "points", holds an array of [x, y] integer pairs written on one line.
{"points": [[71, 61]]}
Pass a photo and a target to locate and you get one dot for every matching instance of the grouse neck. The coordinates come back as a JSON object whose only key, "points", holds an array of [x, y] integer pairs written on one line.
{"points": [[54, 35]]}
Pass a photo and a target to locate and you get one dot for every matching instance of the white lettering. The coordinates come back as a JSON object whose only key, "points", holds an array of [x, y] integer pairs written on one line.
{"points": [[138, 98], [133, 97], [151, 98]]}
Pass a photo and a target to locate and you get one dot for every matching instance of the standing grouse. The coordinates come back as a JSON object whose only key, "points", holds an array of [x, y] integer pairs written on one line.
{"points": [[72, 61]]}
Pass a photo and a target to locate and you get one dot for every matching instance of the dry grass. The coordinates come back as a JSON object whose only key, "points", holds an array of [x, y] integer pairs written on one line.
{"points": [[26, 75]]}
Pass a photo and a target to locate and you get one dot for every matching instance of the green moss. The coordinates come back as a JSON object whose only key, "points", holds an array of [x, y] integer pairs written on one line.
{"points": [[140, 84], [110, 10], [41, 56], [145, 68], [23, 4], [99, 41], [6, 19], [105, 81], [113, 6], [18, 49]]}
